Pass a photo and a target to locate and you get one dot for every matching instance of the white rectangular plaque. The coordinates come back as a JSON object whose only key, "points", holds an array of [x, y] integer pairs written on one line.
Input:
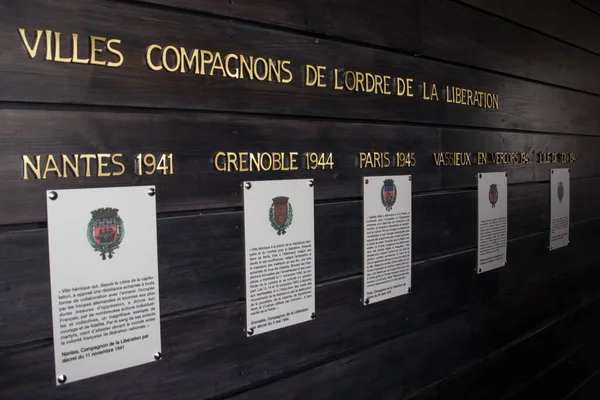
{"points": [[560, 194], [280, 254], [104, 280], [387, 230], [492, 222]]}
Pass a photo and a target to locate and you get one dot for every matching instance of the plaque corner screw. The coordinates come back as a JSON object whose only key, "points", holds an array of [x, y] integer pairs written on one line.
{"points": [[311, 183], [480, 176], [479, 270], [158, 356], [506, 174], [366, 181], [151, 192], [410, 177], [250, 332], [248, 185], [367, 301], [313, 315], [409, 289], [53, 196], [551, 171], [62, 379]]}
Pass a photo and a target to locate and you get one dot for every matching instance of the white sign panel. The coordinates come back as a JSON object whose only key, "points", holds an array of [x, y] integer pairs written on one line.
{"points": [[560, 193], [387, 227], [104, 280], [280, 254], [492, 223]]}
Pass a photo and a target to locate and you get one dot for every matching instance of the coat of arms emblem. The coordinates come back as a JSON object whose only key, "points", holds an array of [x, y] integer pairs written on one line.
{"points": [[105, 231], [493, 195], [281, 214], [560, 192], [388, 194]]}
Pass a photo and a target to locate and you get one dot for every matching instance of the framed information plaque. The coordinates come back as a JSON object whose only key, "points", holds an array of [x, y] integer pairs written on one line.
{"points": [[280, 254], [104, 280], [560, 196], [492, 201], [387, 233]]}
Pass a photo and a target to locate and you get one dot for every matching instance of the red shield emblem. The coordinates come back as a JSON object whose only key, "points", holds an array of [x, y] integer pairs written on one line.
{"points": [[493, 195], [281, 214]]}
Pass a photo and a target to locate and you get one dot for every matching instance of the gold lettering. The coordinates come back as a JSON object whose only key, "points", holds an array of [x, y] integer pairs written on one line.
{"points": [[277, 161], [469, 97], [353, 79], [231, 160], [360, 79], [294, 161], [361, 159], [218, 64], [243, 161], [76, 59], [378, 84], [495, 101], [149, 62], [189, 62], [310, 78], [51, 168], [94, 49], [320, 76], [438, 159], [409, 87], [102, 165], [254, 162], [369, 83], [262, 161], [284, 67], [218, 166], [227, 67], [425, 91], [74, 166], [336, 86], [165, 59], [400, 83], [265, 69], [36, 169], [463, 95], [57, 57], [481, 158], [207, 58], [88, 158], [118, 163], [115, 52], [274, 70], [32, 51], [246, 65], [386, 160], [386, 84], [48, 45]]}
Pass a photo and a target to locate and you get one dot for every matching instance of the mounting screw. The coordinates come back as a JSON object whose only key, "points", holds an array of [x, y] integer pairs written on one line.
{"points": [[367, 301], [551, 171], [409, 290], [248, 185], [551, 247], [53, 196], [250, 332], [311, 183], [366, 181], [479, 270], [313, 316], [410, 177], [158, 355], [151, 192], [506, 174], [480, 176], [62, 379]]}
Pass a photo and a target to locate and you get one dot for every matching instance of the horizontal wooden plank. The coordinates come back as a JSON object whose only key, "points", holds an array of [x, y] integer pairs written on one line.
{"points": [[563, 19], [404, 365], [591, 5], [522, 105], [590, 389], [206, 352], [559, 380], [195, 139], [201, 257], [507, 370], [440, 29]]}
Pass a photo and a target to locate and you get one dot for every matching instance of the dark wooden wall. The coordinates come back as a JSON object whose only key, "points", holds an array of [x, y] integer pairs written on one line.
{"points": [[527, 330]]}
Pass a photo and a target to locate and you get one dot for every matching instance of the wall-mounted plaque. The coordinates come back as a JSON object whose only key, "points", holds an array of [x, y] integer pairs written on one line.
{"points": [[492, 222], [387, 227], [560, 194], [104, 280], [280, 254]]}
